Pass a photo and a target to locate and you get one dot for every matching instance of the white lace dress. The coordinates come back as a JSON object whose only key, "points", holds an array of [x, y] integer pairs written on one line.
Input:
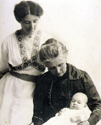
{"points": [[19, 53]]}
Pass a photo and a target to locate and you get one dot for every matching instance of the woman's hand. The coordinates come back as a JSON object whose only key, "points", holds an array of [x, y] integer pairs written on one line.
{"points": [[83, 123]]}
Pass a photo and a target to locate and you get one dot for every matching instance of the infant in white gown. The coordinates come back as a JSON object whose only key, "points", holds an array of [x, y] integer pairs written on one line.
{"points": [[77, 112]]}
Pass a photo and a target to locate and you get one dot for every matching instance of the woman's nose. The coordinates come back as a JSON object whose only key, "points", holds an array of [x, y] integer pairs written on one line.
{"points": [[32, 25], [58, 70]]}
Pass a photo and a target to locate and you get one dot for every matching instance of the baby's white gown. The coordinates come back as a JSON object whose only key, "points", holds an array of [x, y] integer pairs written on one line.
{"points": [[64, 118]]}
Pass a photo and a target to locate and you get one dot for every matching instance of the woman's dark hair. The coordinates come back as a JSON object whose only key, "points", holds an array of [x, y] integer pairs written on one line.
{"points": [[51, 49], [27, 7]]}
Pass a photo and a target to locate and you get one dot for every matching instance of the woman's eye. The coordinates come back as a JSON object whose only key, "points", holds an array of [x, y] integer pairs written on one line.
{"points": [[35, 21], [51, 68], [27, 22], [60, 65]]}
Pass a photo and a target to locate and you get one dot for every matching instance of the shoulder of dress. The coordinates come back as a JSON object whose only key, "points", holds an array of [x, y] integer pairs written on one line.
{"points": [[45, 77], [75, 73], [8, 39]]}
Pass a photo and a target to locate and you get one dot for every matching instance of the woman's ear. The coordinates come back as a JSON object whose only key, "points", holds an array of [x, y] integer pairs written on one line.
{"points": [[65, 58]]}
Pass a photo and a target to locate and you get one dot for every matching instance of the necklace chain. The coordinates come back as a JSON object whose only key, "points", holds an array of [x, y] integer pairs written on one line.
{"points": [[50, 98], [50, 95]]}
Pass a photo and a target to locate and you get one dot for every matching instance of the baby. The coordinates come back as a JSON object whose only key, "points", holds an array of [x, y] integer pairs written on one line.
{"points": [[77, 112]]}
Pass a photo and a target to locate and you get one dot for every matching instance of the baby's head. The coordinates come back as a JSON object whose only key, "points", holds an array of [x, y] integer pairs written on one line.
{"points": [[79, 101]]}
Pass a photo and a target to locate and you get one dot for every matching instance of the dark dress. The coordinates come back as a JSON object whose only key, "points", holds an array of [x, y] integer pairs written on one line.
{"points": [[52, 93]]}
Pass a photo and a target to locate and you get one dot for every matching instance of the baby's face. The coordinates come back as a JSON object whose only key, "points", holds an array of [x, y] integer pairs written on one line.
{"points": [[77, 102]]}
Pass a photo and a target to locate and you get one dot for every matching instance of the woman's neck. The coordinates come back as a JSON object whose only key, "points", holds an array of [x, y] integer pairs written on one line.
{"points": [[26, 34]]}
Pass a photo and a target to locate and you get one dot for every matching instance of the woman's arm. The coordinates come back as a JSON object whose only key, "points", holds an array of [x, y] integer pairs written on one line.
{"points": [[94, 100], [4, 59]]}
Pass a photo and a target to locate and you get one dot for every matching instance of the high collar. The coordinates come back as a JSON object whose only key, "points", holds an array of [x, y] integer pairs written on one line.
{"points": [[72, 73]]}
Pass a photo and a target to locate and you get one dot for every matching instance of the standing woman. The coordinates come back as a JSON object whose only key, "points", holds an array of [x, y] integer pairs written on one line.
{"points": [[19, 63]]}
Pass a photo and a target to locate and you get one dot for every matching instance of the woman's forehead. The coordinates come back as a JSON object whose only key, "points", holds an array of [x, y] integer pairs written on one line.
{"points": [[30, 17], [53, 62]]}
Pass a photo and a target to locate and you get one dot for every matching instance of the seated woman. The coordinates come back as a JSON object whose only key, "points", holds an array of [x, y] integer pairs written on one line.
{"points": [[55, 88]]}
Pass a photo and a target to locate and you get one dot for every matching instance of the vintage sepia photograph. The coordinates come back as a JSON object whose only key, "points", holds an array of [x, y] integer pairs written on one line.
{"points": [[50, 62]]}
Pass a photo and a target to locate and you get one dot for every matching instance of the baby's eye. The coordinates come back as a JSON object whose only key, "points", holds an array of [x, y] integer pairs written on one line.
{"points": [[79, 102], [73, 100]]}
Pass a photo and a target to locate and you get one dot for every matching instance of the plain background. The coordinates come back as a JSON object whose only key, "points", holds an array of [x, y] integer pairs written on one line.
{"points": [[76, 23]]}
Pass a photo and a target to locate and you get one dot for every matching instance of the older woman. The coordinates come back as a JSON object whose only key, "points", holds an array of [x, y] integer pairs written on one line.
{"points": [[55, 88], [19, 62]]}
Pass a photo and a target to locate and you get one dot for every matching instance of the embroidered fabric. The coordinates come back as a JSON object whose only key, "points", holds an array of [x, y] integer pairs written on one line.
{"points": [[34, 54]]}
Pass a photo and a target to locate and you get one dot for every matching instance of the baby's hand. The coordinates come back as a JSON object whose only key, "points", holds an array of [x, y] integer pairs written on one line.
{"points": [[59, 113], [63, 110], [83, 123], [75, 119]]}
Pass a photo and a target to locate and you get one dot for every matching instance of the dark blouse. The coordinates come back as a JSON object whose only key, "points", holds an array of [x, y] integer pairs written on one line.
{"points": [[52, 94]]}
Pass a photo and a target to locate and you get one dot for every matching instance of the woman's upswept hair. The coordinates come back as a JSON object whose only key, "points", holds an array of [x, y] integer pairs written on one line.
{"points": [[27, 7], [51, 49]]}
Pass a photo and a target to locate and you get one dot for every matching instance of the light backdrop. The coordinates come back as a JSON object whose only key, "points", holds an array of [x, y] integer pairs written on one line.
{"points": [[76, 23]]}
